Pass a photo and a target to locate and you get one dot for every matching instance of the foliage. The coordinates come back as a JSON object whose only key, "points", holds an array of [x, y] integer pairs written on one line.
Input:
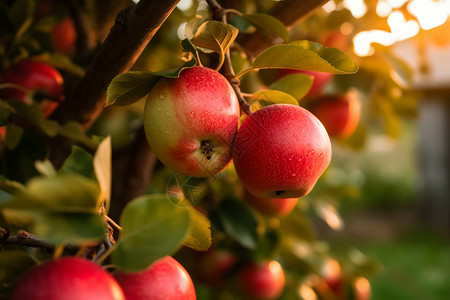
{"points": [[69, 205]]}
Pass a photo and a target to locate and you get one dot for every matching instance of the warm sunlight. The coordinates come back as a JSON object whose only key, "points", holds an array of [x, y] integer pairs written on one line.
{"points": [[428, 13]]}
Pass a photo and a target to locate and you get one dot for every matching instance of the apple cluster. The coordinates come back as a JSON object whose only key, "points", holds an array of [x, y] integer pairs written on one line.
{"points": [[192, 125], [74, 278]]}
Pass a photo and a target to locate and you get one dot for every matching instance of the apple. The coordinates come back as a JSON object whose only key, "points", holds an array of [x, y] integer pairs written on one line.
{"points": [[191, 121], [68, 278], [214, 265], [339, 114], [263, 280], [362, 289], [64, 36], [34, 80], [320, 80], [271, 206], [280, 151], [165, 279]]}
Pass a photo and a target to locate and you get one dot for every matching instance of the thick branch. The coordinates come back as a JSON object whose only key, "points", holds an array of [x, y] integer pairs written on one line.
{"points": [[135, 26], [289, 12], [134, 182]]}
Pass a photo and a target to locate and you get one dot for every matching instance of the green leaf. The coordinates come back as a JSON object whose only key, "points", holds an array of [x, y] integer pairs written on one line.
{"points": [[152, 227], [65, 193], [61, 208], [304, 55], [215, 36], [14, 263], [239, 222], [297, 85], [198, 236], [130, 87], [102, 169], [273, 97], [13, 136], [77, 228], [268, 24], [74, 131], [188, 47], [6, 111], [33, 113], [21, 12], [45, 167], [61, 62], [79, 162]]}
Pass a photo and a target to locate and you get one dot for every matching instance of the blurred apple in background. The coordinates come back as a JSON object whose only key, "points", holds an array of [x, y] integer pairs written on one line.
{"points": [[270, 206], [339, 114]]}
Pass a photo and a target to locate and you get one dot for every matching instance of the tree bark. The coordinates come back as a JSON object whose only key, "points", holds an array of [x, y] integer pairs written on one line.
{"points": [[135, 26]]}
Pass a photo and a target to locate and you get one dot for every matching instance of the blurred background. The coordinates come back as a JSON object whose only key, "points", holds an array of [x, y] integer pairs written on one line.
{"points": [[377, 223]]}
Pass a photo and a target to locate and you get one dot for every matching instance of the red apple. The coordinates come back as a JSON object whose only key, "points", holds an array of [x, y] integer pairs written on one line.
{"points": [[262, 280], [34, 78], [339, 114], [67, 278], [271, 206], [213, 266], [64, 36], [191, 121], [165, 279], [320, 79], [280, 151]]}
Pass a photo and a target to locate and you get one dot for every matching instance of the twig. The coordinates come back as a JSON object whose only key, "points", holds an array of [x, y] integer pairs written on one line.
{"points": [[30, 240], [220, 15]]}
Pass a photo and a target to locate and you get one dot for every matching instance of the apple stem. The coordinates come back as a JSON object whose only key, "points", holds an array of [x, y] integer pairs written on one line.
{"points": [[220, 14]]}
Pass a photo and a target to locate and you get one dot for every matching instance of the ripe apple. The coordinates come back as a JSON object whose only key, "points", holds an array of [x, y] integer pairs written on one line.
{"points": [[68, 278], [191, 121], [320, 79], [339, 114], [262, 280], [214, 265], [271, 206], [64, 36], [280, 151], [165, 279], [36, 81]]}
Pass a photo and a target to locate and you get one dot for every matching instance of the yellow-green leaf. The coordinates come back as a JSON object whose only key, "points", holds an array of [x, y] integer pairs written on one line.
{"points": [[304, 55], [273, 96], [297, 85], [102, 169], [198, 236]]}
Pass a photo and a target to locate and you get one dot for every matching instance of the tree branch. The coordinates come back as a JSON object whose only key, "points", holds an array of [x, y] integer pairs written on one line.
{"points": [[135, 176], [135, 26], [30, 240], [289, 12]]}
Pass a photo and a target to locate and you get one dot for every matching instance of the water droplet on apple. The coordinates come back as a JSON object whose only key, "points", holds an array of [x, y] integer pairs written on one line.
{"points": [[162, 96], [294, 174], [192, 114], [167, 114], [321, 155]]}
